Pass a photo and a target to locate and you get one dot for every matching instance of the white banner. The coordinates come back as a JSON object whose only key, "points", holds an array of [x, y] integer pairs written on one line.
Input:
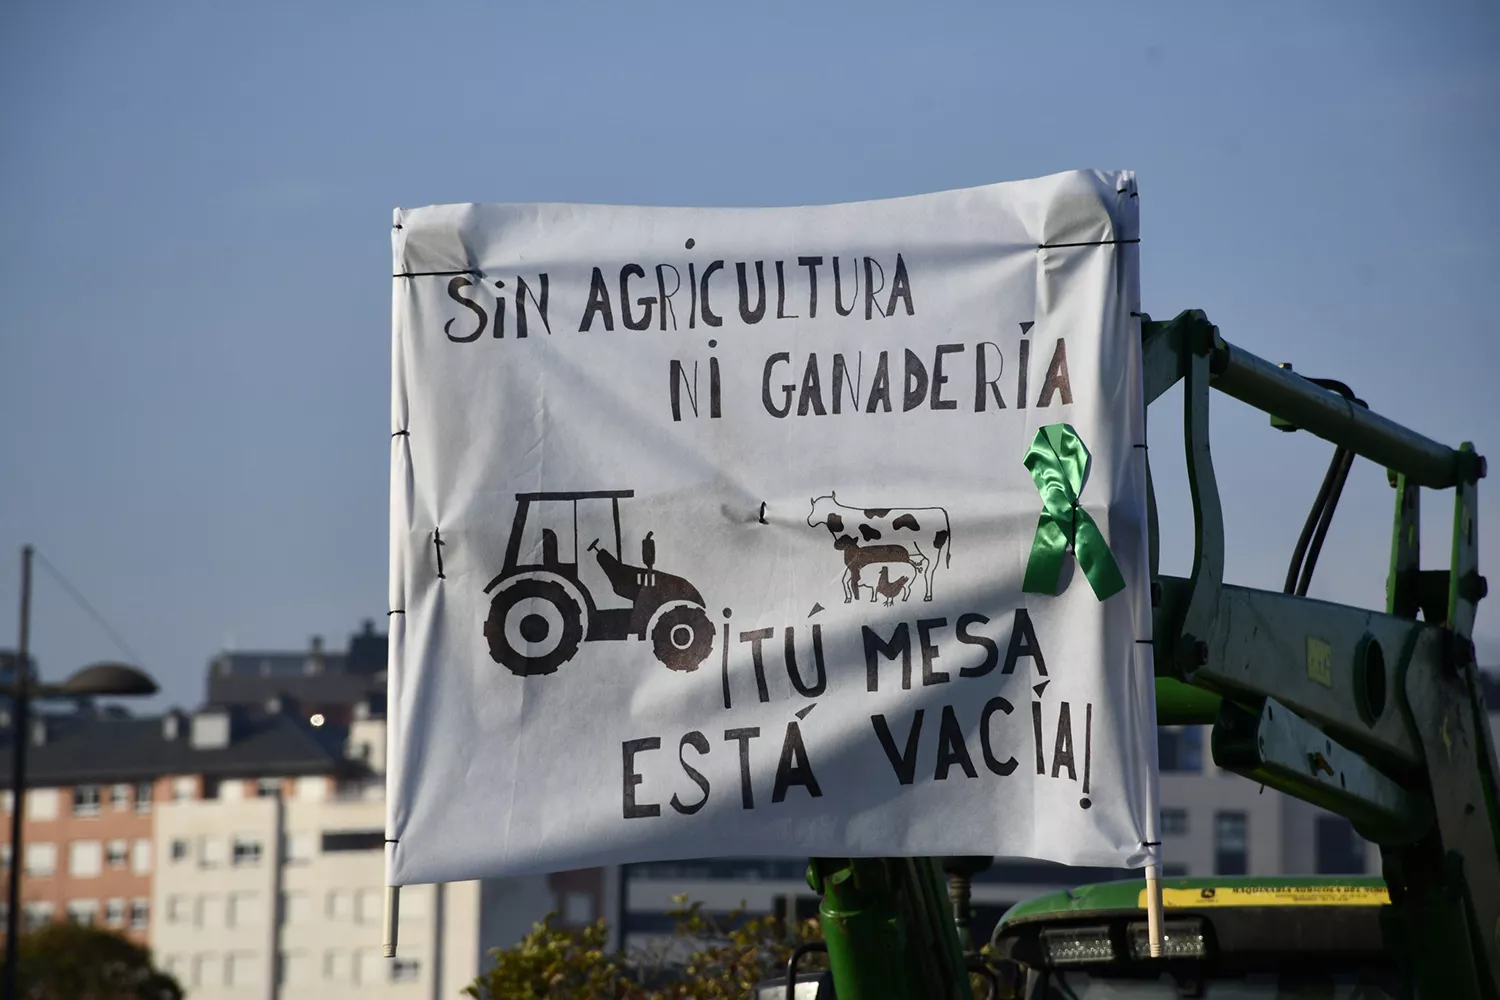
{"points": [[774, 532]]}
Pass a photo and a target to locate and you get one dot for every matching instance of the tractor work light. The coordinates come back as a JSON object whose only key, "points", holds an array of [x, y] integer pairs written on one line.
{"points": [[1179, 939], [1077, 945]]}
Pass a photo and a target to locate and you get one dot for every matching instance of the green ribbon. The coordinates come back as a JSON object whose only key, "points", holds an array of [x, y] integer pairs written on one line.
{"points": [[1058, 462]]}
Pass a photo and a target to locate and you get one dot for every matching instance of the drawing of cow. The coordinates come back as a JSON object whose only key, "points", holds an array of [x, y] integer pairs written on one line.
{"points": [[923, 532]]}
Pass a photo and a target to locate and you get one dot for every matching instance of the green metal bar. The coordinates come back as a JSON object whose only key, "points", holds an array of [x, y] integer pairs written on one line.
{"points": [[1291, 397], [1179, 704], [1282, 750], [889, 929]]}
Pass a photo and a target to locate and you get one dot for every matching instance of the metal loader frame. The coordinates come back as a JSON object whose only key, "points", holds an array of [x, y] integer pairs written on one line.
{"points": [[1378, 717]]}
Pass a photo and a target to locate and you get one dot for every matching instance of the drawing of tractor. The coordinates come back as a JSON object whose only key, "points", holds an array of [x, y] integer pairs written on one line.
{"points": [[541, 611]]}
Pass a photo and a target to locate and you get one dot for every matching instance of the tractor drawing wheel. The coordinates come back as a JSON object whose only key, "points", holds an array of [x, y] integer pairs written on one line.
{"points": [[681, 636], [534, 627]]}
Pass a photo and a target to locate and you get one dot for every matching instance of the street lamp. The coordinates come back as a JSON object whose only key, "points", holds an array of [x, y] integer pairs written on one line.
{"points": [[101, 679]]}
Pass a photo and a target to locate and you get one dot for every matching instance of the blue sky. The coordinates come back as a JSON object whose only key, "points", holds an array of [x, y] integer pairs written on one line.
{"points": [[194, 293]]}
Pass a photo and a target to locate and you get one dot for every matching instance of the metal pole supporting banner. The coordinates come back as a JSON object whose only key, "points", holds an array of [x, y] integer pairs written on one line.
{"points": [[19, 726]]}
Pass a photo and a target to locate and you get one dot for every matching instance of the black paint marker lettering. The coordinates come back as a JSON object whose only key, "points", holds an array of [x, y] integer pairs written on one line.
{"points": [[794, 768], [991, 649], [871, 306], [812, 263], [1088, 742], [714, 410], [698, 742], [680, 381], [598, 304], [630, 748], [454, 287], [1023, 643], [916, 382], [811, 394], [900, 289], [664, 296], [781, 294], [1057, 377], [724, 664], [1062, 750], [876, 647], [755, 638], [645, 301], [981, 379], [930, 651], [744, 736], [820, 682], [841, 378], [692, 296], [938, 378], [523, 290], [752, 316], [996, 704], [1036, 728], [709, 316], [904, 763], [838, 285], [951, 747], [1022, 365], [880, 386], [780, 357]]}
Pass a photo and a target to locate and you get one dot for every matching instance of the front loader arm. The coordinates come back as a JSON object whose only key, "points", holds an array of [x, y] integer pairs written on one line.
{"points": [[1376, 716]]}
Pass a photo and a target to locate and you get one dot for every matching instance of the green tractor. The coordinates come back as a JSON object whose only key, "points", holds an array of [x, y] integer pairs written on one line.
{"points": [[542, 611], [1377, 716], [1222, 938]]}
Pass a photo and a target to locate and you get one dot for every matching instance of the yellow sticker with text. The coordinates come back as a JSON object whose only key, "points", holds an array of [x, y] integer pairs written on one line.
{"points": [[1273, 895], [1320, 661]]}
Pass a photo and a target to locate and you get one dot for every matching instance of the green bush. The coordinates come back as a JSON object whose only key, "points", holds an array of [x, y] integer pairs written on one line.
{"points": [[65, 961], [706, 959]]}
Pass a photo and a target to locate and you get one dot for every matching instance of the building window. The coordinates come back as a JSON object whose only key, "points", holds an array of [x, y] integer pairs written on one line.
{"points": [[143, 794], [41, 860], [244, 910], [208, 970], [140, 914], [179, 909], [335, 966], [180, 850], [1231, 844], [1340, 850], [210, 852], [140, 857], [578, 908], [405, 970], [86, 800], [369, 906], [297, 848], [83, 912], [117, 853], [291, 968], [1180, 749], [295, 907], [1174, 822], [340, 904], [85, 858], [114, 913], [268, 788], [41, 803], [184, 789], [119, 797], [5, 856], [246, 851], [354, 840], [37, 915]]}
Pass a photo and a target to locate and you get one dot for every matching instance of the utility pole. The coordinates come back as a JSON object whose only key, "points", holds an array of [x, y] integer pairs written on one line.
{"points": [[19, 726]]}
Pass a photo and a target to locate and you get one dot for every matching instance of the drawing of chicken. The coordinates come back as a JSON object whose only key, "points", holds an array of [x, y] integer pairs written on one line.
{"points": [[888, 588]]}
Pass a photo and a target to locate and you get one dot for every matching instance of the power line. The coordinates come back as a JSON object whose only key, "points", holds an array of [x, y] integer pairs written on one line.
{"points": [[93, 612]]}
